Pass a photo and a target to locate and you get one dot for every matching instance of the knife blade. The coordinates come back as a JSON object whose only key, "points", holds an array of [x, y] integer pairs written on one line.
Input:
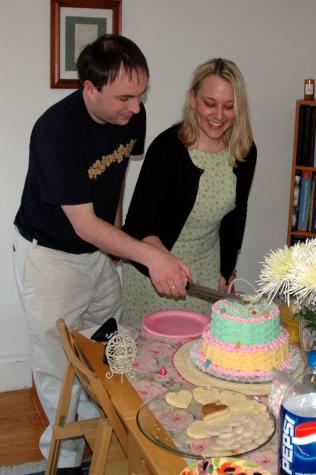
{"points": [[213, 294]]}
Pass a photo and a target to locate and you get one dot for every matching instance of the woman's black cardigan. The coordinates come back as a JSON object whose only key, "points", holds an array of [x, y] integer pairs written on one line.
{"points": [[165, 193]]}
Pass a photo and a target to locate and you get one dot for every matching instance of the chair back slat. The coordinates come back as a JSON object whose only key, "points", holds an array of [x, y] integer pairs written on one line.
{"points": [[91, 383], [87, 378], [96, 431]]}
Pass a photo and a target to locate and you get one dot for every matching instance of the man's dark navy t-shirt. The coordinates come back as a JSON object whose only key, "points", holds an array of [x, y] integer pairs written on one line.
{"points": [[74, 160]]}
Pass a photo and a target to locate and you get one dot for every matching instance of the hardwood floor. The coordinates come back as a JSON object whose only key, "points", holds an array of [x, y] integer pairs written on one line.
{"points": [[22, 420]]}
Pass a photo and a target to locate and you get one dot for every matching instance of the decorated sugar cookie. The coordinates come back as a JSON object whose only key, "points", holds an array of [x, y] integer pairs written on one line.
{"points": [[179, 399], [205, 395], [213, 410]]}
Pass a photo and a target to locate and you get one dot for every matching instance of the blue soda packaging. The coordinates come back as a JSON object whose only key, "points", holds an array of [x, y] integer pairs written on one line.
{"points": [[297, 444]]}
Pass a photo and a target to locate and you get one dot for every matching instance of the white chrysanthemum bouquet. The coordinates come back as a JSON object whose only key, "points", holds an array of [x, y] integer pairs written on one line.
{"points": [[289, 274]]}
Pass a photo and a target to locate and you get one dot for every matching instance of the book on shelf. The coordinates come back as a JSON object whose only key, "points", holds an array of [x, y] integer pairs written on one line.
{"points": [[311, 139], [306, 136], [313, 212], [306, 141], [296, 239], [296, 194], [311, 205], [303, 126], [304, 200], [300, 135], [314, 157]]}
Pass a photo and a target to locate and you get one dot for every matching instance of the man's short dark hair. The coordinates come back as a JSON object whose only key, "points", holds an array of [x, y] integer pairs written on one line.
{"points": [[101, 61]]}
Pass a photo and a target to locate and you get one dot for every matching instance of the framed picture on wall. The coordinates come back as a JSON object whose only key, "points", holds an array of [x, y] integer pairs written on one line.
{"points": [[74, 24]]}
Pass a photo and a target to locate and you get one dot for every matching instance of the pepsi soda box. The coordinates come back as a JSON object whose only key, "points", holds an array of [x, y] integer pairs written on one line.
{"points": [[297, 448]]}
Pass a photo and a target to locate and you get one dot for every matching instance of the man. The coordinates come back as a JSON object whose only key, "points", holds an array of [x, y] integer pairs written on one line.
{"points": [[68, 223]]}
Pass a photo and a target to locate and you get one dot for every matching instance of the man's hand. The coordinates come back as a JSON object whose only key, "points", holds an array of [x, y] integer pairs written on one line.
{"points": [[169, 274]]}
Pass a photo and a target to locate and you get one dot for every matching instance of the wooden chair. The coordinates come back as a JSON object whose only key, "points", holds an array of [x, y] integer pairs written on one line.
{"points": [[97, 431]]}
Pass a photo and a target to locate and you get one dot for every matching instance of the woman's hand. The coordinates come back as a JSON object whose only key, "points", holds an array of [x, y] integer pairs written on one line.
{"points": [[227, 287]]}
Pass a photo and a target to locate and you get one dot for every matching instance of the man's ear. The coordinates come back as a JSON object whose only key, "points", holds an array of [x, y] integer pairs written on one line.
{"points": [[89, 88]]}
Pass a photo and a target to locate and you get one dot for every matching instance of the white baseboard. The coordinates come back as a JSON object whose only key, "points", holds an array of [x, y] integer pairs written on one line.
{"points": [[23, 469], [15, 372]]}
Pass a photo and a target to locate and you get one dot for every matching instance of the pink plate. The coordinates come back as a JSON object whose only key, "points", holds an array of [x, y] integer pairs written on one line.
{"points": [[175, 323]]}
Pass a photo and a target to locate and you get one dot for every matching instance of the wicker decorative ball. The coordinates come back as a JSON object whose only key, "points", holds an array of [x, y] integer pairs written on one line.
{"points": [[121, 352]]}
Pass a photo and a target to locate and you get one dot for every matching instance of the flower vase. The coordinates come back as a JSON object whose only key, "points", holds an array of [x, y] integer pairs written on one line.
{"points": [[307, 337], [290, 322]]}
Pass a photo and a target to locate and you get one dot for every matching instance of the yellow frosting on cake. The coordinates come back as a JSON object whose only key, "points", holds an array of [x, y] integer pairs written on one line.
{"points": [[246, 361]]}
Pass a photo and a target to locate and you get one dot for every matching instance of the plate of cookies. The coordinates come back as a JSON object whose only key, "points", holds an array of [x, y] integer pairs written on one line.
{"points": [[207, 422]]}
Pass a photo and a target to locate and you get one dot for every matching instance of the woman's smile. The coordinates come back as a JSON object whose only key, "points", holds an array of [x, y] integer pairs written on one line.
{"points": [[213, 103]]}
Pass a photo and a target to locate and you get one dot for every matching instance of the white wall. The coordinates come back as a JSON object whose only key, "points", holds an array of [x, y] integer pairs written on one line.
{"points": [[273, 42]]}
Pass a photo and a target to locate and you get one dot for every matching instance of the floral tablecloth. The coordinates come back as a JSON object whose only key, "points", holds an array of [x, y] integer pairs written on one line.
{"points": [[154, 353]]}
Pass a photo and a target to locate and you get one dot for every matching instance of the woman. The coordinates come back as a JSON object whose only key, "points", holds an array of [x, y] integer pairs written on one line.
{"points": [[192, 192]]}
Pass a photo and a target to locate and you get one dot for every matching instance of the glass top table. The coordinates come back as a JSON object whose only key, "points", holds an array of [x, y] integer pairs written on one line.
{"points": [[238, 433]]}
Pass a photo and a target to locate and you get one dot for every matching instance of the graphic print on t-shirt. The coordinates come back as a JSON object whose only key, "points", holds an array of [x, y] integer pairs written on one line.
{"points": [[99, 166]]}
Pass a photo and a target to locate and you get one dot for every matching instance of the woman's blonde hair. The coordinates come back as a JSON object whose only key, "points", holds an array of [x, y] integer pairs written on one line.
{"points": [[237, 138]]}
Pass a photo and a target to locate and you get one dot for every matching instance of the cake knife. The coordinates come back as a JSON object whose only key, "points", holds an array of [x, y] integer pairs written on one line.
{"points": [[213, 294]]}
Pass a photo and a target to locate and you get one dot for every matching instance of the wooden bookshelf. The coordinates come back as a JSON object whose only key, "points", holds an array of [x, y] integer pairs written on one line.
{"points": [[294, 234]]}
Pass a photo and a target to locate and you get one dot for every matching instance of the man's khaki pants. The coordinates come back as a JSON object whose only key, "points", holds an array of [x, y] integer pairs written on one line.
{"points": [[84, 290]]}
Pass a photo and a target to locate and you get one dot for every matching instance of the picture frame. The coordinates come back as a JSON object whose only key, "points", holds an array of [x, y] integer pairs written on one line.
{"points": [[75, 23]]}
